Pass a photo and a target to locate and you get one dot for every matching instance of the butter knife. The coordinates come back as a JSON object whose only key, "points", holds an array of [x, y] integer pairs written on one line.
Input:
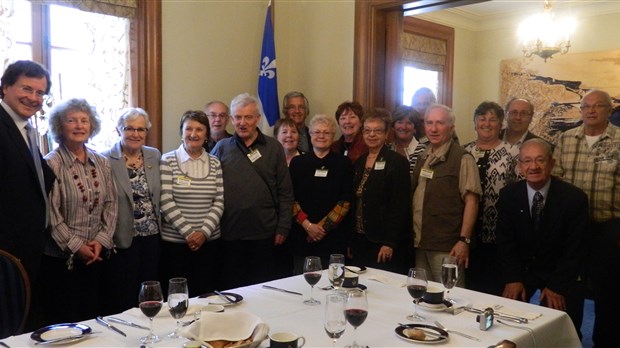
{"points": [[282, 290], [225, 297], [103, 322], [128, 323]]}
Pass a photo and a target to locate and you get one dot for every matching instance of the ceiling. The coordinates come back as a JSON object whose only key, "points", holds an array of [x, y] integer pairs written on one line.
{"points": [[496, 14]]}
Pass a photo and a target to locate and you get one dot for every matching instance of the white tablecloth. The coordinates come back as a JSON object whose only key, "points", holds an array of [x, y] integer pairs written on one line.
{"points": [[388, 302]]}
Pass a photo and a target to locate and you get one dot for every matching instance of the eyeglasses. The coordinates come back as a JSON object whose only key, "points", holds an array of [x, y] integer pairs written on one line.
{"points": [[246, 118], [376, 131], [541, 161], [321, 133], [216, 116], [30, 91], [131, 130], [522, 113], [296, 107], [594, 106]]}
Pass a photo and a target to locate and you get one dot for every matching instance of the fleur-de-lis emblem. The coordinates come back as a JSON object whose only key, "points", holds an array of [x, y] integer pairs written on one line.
{"points": [[268, 68]]}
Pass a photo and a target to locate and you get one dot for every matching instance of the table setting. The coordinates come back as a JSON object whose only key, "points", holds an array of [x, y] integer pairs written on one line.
{"points": [[278, 307]]}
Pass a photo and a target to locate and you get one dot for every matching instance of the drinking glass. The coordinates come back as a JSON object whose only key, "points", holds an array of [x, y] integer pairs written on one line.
{"points": [[178, 301], [449, 274], [312, 274], [356, 311], [416, 285], [335, 271], [151, 300], [335, 321]]}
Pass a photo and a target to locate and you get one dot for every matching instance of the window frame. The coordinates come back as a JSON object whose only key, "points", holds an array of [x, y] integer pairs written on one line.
{"points": [[145, 56]]}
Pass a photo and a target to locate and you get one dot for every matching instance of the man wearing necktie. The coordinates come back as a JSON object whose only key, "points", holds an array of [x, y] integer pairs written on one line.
{"points": [[541, 234], [25, 178]]}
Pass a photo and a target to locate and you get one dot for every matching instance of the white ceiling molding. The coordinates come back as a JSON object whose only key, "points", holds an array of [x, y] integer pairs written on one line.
{"points": [[502, 14]]}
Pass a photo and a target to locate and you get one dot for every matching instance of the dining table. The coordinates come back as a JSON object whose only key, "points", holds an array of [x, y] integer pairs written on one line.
{"points": [[389, 304]]}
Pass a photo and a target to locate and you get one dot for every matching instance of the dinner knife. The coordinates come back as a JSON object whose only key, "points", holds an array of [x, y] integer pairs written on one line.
{"points": [[282, 290], [62, 339], [128, 323], [103, 322]]}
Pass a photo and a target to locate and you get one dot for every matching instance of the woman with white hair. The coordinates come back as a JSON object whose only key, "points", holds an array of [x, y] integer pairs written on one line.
{"points": [[322, 182], [135, 167], [82, 216]]}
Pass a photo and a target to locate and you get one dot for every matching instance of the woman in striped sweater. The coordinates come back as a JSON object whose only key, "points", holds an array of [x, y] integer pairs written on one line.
{"points": [[192, 203]]}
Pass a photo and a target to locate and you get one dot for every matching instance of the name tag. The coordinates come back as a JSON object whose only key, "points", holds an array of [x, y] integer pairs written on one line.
{"points": [[379, 165], [183, 181], [346, 152], [427, 173], [321, 173], [254, 155]]}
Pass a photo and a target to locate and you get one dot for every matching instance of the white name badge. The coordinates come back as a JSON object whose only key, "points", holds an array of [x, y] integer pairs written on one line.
{"points": [[254, 155], [379, 165], [426, 173], [183, 181], [346, 152], [321, 173]]}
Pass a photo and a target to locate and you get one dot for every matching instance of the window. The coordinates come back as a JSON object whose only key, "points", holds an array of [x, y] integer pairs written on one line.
{"points": [[414, 79], [88, 56]]}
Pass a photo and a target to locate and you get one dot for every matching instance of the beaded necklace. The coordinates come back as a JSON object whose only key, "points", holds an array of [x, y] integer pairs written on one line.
{"points": [[85, 195], [137, 163]]}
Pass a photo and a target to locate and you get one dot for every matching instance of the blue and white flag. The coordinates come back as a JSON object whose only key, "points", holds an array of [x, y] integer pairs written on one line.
{"points": [[267, 77]]}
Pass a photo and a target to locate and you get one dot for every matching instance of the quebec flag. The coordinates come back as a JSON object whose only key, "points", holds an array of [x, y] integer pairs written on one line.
{"points": [[267, 77]]}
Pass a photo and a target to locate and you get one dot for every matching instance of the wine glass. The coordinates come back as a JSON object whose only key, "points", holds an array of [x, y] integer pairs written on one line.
{"points": [[335, 271], [449, 274], [150, 300], [312, 274], [416, 285], [178, 301], [356, 311], [335, 321]]}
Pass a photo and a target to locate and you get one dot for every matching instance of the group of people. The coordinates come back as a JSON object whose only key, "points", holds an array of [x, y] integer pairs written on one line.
{"points": [[227, 210]]}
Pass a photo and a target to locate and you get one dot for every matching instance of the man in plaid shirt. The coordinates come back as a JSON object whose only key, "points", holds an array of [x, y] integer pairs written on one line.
{"points": [[588, 157]]}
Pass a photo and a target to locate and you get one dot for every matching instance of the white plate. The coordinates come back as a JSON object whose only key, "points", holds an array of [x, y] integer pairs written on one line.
{"points": [[216, 299], [59, 331], [432, 307], [428, 340]]}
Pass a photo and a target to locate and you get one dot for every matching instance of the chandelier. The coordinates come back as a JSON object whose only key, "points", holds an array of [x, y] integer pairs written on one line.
{"points": [[544, 36]]}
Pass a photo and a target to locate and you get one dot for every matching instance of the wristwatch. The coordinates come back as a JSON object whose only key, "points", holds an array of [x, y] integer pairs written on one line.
{"points": [[465, 240]]}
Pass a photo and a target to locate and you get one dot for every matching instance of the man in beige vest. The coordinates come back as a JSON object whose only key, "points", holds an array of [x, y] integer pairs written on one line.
{"points": [[446, 191]]}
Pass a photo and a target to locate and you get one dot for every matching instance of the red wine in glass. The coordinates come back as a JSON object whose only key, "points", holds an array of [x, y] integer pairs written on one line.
{"points": [[356, 317], [150, 308], [416, 286], [312, 278], [150, 300], [312, 274], [356, 311]]}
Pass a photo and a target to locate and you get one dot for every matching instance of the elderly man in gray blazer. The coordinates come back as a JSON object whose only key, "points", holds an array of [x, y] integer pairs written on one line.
{"points": [[137, 236]]}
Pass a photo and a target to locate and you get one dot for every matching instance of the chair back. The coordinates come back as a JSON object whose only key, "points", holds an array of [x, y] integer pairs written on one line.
{"points": [[14, 295]]}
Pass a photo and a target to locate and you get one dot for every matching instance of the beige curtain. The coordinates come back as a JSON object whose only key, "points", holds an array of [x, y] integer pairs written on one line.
{"points": [[423, 52], [118, 8]]}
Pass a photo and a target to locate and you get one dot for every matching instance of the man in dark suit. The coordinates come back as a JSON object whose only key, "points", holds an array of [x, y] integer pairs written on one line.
{"points": [[24, 182], [541, 234]]}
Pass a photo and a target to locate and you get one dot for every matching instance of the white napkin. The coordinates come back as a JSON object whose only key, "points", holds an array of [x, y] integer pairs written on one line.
{"points": [[386, 280], [229, 326], [515, 312]]}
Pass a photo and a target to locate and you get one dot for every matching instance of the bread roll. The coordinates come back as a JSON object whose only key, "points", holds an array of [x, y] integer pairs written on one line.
{"points": [[415, 334]]}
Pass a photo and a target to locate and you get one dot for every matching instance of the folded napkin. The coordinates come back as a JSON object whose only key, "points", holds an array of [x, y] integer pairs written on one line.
{"points": [[229, 326], [386, 280], [499, 309]]}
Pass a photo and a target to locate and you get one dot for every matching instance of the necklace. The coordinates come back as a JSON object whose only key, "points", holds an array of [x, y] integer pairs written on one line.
{"points": [[94, 198], [136, 162]]}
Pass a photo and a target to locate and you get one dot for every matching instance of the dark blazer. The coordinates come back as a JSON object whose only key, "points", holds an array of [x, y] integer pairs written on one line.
{"points": [[529, 135], [22, 204], [555, 257], [386, 199], [124, 233]]}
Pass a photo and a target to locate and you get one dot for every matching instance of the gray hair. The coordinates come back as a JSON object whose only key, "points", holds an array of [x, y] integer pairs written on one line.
{"points": [[130, 114], [598, 91], [243, 100], [62, 110], [295, 94], [325, 120], [538, 141], [213, 102], [446, 109]]}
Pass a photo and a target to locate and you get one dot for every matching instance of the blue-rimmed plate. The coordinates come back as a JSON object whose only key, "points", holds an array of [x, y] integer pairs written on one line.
{"points": [[58, 332], [433, 334]]}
